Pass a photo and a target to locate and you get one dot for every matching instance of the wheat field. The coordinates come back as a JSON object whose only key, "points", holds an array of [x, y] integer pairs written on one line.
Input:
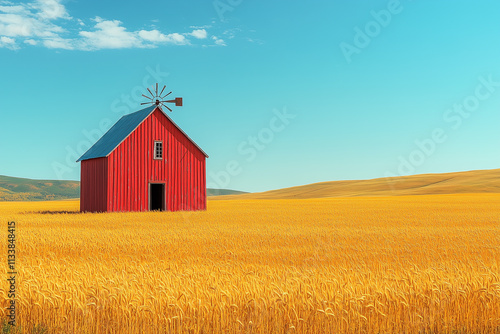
{"points": [[406, 264]]}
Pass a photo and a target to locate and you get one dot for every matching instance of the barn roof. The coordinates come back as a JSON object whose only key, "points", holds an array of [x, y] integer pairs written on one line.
{"points": [[121, 130]]}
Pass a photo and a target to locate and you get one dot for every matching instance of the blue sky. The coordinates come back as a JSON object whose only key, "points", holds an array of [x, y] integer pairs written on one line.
{"points": [[278, 93]]}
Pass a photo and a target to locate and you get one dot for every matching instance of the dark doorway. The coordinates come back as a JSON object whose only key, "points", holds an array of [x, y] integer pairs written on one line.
{"points": [[157, 196]]}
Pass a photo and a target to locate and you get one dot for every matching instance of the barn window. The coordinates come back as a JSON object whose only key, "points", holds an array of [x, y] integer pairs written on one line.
{"points": [[158, 150]]}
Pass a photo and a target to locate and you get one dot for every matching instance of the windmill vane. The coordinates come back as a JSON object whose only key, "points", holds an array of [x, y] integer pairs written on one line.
{"points": [[159, 99]]}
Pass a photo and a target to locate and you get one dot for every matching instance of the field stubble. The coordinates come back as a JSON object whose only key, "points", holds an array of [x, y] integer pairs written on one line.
{"points": [[409, 264]]}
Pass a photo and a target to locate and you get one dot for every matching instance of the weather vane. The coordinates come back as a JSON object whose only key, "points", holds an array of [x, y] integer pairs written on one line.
{"points": [[159, 100]]}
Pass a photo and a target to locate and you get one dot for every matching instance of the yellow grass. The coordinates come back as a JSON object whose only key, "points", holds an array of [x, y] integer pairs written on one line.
{"points": [[406, 264]]}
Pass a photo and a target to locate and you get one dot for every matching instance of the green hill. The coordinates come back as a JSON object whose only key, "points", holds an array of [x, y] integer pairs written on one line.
{"points": [[20, 189], [220, 192]]}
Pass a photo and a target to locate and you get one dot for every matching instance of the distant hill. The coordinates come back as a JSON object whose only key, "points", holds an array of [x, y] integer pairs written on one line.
{"points": [[479, 181], [219, 192], [20, 189]]}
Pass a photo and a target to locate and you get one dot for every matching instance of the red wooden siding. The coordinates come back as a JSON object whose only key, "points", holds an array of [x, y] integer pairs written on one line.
{"points": [[93, 190], [131, 167]]}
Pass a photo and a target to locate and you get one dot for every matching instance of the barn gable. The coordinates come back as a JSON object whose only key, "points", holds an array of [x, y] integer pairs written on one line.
{"points": [[121, 130]]}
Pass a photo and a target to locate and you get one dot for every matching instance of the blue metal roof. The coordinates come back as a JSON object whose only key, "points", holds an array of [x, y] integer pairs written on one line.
{"points": [[121, 130], [118, 132]]}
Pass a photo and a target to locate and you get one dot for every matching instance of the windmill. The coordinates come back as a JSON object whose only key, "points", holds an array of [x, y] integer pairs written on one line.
{"points": [[159, 100]]}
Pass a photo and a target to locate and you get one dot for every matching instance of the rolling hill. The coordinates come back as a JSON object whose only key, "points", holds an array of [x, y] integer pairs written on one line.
{"points": [[479, 181], [220, 192], [21, 189]]}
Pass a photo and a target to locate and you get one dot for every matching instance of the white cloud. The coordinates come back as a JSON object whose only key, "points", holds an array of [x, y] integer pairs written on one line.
{"points": [[199, 33], [9, 43], [59, 43], [152, 35], [178, 39], [12, 9], [219, 41], [51, 10], [157, 37], [112, 35], [44, 22], [20, 20], [206, 26], [15, 25], [109, 35]]}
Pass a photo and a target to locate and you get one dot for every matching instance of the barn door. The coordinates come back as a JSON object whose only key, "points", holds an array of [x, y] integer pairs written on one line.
{"points": [[157, 196]]}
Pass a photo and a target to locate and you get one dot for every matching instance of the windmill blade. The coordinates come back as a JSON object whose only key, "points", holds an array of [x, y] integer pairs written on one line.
{"points": [[163, 90], [147, 97], [162, 97], [156, 91], [145, 103], [150, 92], [166, 107]]}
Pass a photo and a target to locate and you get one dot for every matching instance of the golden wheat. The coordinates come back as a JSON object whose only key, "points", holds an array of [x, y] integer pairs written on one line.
{"points": [[410, 264]]}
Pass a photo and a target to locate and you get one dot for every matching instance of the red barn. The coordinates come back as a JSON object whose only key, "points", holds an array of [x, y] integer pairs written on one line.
{"points": [[144, 162]]}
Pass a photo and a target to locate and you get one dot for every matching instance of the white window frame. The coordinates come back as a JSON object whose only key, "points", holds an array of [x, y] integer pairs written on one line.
{"points": [[155, 156]]}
